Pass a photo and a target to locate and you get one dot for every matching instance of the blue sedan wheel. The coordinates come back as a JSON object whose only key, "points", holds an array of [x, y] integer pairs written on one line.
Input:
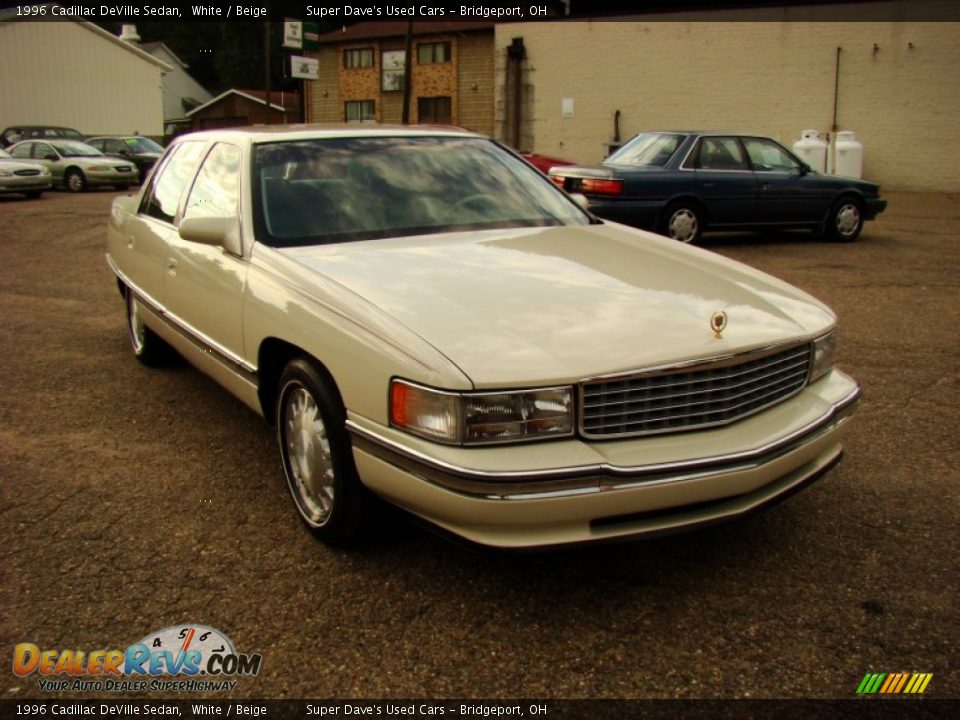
{"points": [[845, 221], [683, 223]]}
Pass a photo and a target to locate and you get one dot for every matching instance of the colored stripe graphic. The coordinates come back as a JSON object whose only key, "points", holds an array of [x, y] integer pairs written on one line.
{"points": [[894, 683]]}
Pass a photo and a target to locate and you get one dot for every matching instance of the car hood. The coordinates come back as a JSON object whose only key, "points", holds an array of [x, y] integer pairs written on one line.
{"points": [[523, 307]]}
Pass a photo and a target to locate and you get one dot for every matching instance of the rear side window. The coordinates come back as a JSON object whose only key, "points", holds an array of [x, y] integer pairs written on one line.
{"points": [[22, 151], [167, 187]]}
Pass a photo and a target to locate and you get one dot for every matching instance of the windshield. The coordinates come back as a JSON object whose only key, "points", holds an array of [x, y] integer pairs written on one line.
{"points": [[74, 149], [649, 149], [323, 191], [142, 145]]}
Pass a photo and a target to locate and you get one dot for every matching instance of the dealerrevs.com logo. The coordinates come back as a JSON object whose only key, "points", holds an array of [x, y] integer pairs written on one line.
{"points": [[181, 658]]}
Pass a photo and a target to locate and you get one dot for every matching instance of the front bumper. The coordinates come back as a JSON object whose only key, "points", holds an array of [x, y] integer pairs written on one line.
{"points": [[573, 491], [17, 184], [873, 206]]}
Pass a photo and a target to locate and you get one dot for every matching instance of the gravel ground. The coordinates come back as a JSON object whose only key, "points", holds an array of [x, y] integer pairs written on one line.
{"points": [[134, 499]]}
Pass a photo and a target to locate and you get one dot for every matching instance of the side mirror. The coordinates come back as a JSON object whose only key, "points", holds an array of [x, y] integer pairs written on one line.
{"points": [[581, 200], [217, 231], [805, 169]]}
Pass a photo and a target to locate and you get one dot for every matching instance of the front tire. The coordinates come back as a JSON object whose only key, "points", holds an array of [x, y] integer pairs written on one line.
{"points": [[315, 451], [683, 221], [845, 220], [75, 180]]}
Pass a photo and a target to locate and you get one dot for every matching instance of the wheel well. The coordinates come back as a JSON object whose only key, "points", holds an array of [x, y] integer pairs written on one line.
{"points": [[272, 358]]}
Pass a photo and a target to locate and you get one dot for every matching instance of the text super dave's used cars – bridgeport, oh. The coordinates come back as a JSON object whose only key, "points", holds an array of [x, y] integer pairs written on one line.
{"points": [[426, 318]]}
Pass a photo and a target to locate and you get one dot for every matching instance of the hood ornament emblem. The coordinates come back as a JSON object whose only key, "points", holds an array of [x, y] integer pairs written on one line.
{"points": [[718, 322]]}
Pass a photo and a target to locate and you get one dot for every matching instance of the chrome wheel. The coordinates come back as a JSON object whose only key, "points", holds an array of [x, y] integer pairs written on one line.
{"points": [[309, 459], [138, 333], [683, 225], [848, 220]]}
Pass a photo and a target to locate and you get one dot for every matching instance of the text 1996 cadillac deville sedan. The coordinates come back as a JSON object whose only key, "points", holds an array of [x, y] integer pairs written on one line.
{"points": [[427, 319]]}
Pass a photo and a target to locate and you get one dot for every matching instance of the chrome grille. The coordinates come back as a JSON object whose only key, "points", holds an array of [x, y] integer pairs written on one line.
{"points": [[26, 173], [711, 393]]}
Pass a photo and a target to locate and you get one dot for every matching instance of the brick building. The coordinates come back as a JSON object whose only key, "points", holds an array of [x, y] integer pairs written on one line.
{"points": [[361, 75]]}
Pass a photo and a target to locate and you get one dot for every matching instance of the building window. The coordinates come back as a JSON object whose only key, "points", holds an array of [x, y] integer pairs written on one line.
{"points": [[358, 58], [434, 110], [433, 52], [393, 64], [356, 111]]}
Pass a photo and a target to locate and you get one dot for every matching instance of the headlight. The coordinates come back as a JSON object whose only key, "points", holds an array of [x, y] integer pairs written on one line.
{"points": [[824, 352], [99, 168], [478, 418], [6, 173]]}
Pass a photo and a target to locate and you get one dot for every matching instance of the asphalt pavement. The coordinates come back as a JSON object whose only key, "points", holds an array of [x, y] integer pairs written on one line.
{"points": [[134, 499]]}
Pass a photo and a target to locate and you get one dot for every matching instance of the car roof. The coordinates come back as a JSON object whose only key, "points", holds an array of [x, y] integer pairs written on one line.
{"points": [[274, 133]]}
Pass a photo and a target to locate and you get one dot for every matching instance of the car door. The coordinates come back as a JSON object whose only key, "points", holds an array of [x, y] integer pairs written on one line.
{"points": [[149, 234], [786, 192], [45, 154], [725, 181], [204, 283]]}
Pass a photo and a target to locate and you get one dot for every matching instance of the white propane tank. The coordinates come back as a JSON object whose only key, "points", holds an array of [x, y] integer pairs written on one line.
{"points": [[812, 149], [849, 155]]}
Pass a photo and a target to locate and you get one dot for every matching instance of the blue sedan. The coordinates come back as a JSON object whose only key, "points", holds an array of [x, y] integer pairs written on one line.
{"points": [[683, 183]]}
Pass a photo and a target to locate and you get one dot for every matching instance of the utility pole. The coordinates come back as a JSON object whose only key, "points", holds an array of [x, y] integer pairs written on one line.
{"points": [[266, 59], [407, 72]]}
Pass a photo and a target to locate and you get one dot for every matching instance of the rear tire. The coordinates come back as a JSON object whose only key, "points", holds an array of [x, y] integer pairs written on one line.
{"points": [[845, 220], [316, 455], [683, 221], [147, 346]]}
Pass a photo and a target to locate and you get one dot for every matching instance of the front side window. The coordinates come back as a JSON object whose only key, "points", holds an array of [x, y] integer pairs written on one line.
{"points": [[355, 111], [345, 189], [720, 153], [42, 151], [393, 64], [647, 149], [216, 191], [434, 110], [438, 52], [358, 58], [167, 186], [766, 156]]}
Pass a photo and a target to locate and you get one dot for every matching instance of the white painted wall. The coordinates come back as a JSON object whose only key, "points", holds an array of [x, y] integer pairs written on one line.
{"points": [[66, 73]]}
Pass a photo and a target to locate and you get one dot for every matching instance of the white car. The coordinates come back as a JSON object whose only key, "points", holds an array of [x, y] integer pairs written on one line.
{"points": [[27, 178], [427, 319]]}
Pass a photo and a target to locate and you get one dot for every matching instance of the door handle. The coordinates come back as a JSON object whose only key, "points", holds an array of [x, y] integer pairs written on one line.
{"points": [[172, 266], [708, 185]]}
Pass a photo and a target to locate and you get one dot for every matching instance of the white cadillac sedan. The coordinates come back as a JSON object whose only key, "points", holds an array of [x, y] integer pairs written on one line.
{"points": [[426, 318]]}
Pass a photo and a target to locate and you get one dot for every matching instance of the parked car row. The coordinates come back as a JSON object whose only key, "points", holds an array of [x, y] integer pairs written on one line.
{"points": [[58, 148], [75, 165]]}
